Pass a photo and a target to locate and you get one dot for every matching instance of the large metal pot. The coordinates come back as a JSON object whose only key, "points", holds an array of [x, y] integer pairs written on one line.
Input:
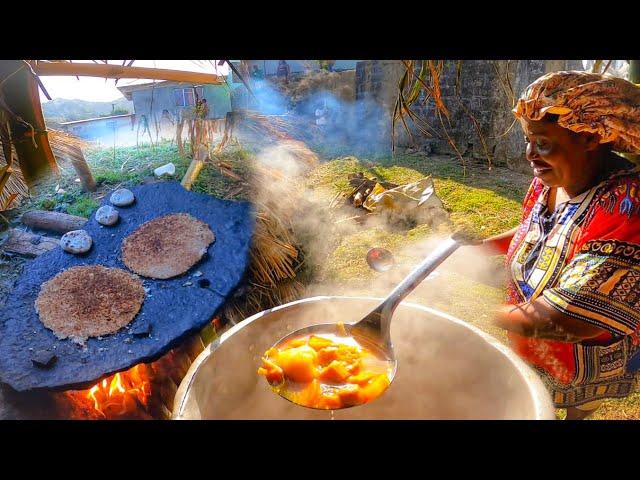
{"points": [[447, 369]]}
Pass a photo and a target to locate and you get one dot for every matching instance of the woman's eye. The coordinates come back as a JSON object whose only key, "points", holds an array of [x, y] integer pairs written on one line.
{"points": [[542, 144], [526, 139]]}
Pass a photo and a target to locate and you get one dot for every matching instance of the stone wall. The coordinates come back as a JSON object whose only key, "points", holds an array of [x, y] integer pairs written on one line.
{"points": [[377, 90], [480, 122]]}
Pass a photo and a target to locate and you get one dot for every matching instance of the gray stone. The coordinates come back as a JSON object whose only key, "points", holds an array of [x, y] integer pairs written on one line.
{"points": [[122, 197], [107, 215], [76, 241]]}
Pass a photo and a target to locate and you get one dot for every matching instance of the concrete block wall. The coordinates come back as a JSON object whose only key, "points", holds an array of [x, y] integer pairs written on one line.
{"points": [[486, 91]]}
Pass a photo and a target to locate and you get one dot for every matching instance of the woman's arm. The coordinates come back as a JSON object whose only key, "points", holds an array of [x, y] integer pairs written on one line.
{"points": [[539, 319]]}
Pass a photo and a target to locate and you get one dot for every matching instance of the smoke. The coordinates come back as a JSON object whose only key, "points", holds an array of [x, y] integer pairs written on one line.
{"points": [[335, 124], [464, 277]]}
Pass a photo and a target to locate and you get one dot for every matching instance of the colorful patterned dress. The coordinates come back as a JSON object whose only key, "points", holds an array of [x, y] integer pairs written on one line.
{"points": [[583, 258]]}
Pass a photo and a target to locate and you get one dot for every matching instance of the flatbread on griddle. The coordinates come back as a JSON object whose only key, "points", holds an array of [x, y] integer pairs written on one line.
{"points": [[166, 246], [89, 301]]}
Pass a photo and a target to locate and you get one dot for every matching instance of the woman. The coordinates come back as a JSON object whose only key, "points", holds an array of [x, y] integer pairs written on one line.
{"points": [[574, 261], [283, 71]]}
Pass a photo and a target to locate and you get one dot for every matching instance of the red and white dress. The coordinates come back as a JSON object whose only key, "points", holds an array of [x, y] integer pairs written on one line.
{"points": [[583, 259]]}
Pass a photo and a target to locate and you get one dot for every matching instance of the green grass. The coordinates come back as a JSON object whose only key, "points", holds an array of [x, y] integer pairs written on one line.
{"points": [[477, 201], [46, 203], [130, 165], [83, 206]]}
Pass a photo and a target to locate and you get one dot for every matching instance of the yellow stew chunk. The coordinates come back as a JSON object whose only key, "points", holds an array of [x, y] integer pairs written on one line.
{"points": [[325, 372]]}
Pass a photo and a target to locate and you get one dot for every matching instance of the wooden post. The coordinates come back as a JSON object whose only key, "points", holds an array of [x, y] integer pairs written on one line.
{"points": [[82, 169], [118, 71]]}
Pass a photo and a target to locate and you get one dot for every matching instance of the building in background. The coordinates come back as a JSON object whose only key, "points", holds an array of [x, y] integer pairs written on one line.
{"points": [[156, 100]]}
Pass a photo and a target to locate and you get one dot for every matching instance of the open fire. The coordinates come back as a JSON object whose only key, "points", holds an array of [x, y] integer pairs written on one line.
{"points": [[122, 393], [145, 391]]}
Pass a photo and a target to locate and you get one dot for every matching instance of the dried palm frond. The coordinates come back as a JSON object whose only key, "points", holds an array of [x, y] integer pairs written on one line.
{"points": [[13, 189], [422, 79], [12, 184], [257, 298], [65, 146]]}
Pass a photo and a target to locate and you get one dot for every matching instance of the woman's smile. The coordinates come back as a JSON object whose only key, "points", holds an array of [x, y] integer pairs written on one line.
{"points": [[540, 168]]}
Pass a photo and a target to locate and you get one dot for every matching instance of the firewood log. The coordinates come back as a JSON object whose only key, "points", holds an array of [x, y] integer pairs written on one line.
{"points": [[53, 221]]}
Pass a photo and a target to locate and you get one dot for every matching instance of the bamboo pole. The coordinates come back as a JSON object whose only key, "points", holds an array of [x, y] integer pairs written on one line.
{"points": [[196, 165], [118, 71]]}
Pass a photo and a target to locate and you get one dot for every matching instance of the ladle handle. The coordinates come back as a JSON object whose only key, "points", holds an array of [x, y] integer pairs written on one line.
{"points": [[379, 320], [416, 277]]}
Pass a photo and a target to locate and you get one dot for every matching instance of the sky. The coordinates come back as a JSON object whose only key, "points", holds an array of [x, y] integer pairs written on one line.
{"points": [[99, 90]]}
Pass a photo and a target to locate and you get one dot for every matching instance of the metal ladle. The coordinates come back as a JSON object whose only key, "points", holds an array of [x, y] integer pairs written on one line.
{"points": [[375, 328]]}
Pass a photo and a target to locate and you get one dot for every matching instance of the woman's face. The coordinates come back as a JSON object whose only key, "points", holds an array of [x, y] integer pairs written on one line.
{"points": [[557, 156]]}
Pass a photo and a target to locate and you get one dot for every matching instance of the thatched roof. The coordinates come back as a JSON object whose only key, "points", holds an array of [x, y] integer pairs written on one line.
{"points": [[64, 147]]}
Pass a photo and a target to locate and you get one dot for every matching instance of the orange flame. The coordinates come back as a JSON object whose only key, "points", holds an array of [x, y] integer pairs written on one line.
{"points": [[122, 393]]}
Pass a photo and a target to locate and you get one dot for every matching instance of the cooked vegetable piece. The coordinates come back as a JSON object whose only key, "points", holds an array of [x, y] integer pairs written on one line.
{"points": [[374, 388], [319, 342], [335, 372], [349, 395], [273, 373], [298, 363], [319, 372]]}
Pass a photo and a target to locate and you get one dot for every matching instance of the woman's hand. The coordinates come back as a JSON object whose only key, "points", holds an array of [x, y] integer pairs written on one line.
{"points": [[540, 320]]}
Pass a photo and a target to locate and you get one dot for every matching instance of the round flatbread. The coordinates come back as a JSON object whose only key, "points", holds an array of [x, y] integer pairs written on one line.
{"points": [[89, 301], [167, 246]]}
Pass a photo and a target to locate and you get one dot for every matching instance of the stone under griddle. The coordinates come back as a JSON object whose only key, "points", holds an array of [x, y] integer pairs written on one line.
{"points": [[170, 311]]}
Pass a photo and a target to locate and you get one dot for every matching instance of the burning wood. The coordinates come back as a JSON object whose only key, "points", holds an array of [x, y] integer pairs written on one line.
{"points": [[123, 393], [144, 392]]}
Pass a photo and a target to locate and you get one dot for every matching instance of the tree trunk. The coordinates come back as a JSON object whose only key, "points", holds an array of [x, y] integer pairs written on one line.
{"points": [[53, 221]]}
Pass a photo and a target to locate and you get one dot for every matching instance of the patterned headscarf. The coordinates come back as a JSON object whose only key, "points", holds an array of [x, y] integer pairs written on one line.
{"points": [[587, 102]]}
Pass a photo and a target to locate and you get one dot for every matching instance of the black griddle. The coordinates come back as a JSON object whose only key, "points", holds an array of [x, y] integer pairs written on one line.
{"points": [[172, 308]]}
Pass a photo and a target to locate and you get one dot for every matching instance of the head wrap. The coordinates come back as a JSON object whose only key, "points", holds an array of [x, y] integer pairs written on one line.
{"points": [[587, 102]]}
